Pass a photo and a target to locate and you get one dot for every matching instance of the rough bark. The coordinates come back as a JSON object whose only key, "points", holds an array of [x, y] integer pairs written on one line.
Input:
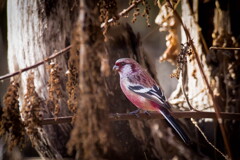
{"points": [[194, 84], [35, 30]]}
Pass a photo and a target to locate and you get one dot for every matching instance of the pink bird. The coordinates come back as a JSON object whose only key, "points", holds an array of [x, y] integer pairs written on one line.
{"points": [[141, 89]]}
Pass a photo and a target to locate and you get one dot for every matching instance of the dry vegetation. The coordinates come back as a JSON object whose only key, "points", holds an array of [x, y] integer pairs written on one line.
{"points": [[90, 99], [12, 126]]}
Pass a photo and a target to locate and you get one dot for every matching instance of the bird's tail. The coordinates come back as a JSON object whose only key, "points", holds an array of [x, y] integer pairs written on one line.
{"points": [[174, 125]]}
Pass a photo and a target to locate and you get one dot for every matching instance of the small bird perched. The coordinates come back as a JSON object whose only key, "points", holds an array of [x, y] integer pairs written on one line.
{"points": [[141, 89]]}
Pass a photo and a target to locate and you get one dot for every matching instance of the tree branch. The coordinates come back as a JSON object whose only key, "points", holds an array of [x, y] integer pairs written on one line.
{"points": [[58, 120], [140, 116], [224, 48], [37, 64], [123, 13]]}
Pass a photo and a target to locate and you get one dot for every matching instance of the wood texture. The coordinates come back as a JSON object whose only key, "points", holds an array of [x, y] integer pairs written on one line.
{"points": [[35, 30]]}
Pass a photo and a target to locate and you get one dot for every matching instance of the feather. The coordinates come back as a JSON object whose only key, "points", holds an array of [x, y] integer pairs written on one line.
{"points": [[142, 90], [174, 125], [154, 93]]}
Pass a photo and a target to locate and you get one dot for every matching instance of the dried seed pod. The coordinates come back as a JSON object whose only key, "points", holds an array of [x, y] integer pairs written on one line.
{"points": [[54, 87], [32, 110], [146, 12], [182, 59], [107, 10], [72, 73], [11, 124], [135, 13]]}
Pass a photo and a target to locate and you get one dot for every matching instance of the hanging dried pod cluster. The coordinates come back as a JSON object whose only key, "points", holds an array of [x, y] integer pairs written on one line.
{"points": [[72, 73], [32, 110], [167, 22], [145, 13], [107, 10], [11, 125], [182, 59], [136, 11], [54, 88]]}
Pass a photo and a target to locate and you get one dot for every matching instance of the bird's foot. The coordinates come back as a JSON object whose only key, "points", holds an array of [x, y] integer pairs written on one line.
{"points": [[135, 113], [147, 113]]}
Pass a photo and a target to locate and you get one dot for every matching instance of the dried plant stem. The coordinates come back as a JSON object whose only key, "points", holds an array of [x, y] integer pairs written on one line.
{"points": [[55, 54], [215, 104], [204, 136], [58, 120], [224, 48], [182, 78], [140, 116], [122, 13]]}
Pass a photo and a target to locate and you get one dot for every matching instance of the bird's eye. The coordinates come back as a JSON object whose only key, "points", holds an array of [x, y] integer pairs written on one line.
{"points": [[122, 63]]}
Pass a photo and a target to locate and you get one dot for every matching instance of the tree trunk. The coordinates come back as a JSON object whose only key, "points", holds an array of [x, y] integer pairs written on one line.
{"points": [[35, 30]]}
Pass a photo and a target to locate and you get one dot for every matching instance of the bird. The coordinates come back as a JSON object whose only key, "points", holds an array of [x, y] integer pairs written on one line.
{"points": [[143, 91]]}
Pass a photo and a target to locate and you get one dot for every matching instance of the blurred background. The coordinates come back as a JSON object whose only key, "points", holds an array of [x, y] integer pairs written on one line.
{"points": [[210, 22]]}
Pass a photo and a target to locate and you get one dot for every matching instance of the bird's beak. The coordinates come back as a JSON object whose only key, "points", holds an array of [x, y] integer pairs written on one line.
{"points": [[115, 68]]}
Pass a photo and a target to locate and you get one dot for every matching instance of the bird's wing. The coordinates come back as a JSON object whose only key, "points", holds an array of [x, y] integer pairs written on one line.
{"points": [[154, 93]]}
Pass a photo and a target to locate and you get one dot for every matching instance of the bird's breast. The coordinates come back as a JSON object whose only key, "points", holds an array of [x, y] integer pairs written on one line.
{"points": [[138, 100]]}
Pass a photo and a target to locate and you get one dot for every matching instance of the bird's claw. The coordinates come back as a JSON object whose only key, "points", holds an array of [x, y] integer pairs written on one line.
{"points": [[147, 113], [135, 113]]}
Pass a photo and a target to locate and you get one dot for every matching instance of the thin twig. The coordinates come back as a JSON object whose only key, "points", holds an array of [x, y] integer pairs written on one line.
{"points": [[37, 64], [182, 78], [140, 116], [204, 136], [215, 104], [224, 48], [180, 114], [150, 33], [122, 13], [58, 120]]}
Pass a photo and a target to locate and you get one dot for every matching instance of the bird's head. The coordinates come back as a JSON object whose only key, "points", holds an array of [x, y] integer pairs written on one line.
{"points": [[126, 66]]}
